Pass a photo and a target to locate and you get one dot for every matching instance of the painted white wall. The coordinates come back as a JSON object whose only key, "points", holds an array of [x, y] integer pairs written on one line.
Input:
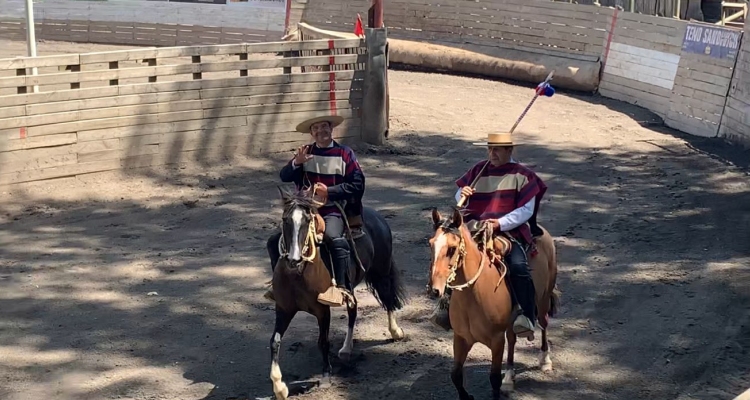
{"points": [[653, 67]]}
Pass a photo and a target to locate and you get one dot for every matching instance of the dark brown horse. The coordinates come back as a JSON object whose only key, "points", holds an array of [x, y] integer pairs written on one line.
{"points": [[301, 274], [481, 308]]}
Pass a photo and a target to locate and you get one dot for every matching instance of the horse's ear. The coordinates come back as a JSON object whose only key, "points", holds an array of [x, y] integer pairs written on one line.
{"points": [[458, 218], [284, 193], [436, 217]]}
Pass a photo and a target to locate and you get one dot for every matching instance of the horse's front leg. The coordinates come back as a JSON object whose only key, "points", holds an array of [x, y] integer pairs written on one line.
{"points": [[461, 348], [324, 345], [346, 350], [283, 319]]}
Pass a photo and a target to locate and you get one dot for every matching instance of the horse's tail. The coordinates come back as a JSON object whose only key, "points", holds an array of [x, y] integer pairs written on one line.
{"points": [[387, 286], [554, 302], [554, 298]]}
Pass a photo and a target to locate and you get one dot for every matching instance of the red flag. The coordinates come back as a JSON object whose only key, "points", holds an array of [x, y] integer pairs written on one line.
{"points": [[358, 30]]}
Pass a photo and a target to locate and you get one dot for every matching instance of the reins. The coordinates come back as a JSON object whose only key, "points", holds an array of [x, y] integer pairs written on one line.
{"points": [[459, 261], [308, 246]]}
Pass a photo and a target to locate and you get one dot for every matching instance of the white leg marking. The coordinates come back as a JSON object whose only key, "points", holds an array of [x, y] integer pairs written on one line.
{"points": [[507, 385], [279, 387], [396, 332], [295, 252], [545, 362], [346, 349]]}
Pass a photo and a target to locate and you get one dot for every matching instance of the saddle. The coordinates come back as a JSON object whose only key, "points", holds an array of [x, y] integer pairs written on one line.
{"points": [[501, 244], [354, 223]]}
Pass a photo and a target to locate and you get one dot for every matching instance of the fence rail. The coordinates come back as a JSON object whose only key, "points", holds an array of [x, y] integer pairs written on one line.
{"points": [[147, 107]]}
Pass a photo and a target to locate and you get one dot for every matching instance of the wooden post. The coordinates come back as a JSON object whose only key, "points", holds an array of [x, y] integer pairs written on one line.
{"points": [[377, 8], [75, 68], [244, 57], [114, 65], [151, 62], [21, 89], [197, 60]]}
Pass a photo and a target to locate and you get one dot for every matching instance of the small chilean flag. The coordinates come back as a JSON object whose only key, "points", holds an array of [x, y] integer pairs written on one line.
{"points": [[358, 30], [544, 89]]}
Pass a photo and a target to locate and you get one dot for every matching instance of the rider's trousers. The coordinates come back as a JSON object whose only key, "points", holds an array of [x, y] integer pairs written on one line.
{"points": [[521, 280]]}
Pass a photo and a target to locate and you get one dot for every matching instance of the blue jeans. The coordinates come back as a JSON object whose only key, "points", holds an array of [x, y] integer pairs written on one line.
{"points": [[521, 281]]}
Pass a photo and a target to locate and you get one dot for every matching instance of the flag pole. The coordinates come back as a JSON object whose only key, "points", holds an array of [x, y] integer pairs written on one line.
{"points": [[541, 88]]}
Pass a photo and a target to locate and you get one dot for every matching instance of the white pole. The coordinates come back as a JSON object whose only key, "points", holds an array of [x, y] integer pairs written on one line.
{"points": [[31, 36]]}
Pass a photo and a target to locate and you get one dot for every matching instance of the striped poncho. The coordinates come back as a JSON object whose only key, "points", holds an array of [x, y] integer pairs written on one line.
{"points": [[500, 190], [336, 167]]}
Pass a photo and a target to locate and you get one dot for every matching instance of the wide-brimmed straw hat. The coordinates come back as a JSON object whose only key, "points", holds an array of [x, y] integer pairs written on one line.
{"points": [[335, 120], [502, 139]]}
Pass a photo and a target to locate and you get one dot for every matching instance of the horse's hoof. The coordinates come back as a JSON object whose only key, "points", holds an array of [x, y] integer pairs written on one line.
{"points": [[398, 334], [281, 391], [344, 356], [325, 382], [508, 384], [545, 363], [508, 387]]}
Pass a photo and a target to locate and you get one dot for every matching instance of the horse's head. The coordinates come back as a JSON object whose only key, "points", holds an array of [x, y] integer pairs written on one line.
{"points": [[448, 246], [300, 225]]}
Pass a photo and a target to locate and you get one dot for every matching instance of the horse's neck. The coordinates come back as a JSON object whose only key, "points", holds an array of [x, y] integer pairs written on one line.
{"points": [[316, 274]]}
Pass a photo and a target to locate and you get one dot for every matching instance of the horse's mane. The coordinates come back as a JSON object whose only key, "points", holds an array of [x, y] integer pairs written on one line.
{"points": [[446, 223], [297, 199]]}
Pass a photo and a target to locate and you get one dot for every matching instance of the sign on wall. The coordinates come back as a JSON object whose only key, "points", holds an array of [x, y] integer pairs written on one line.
{"points": [[711, 40]]}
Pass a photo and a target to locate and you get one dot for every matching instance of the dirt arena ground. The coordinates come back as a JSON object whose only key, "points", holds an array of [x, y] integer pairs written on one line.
{"points": [[149, 285]]}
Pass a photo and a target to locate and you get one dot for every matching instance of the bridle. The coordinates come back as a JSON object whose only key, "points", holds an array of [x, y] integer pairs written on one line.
{"points": [[309, 245], [459, 258]]}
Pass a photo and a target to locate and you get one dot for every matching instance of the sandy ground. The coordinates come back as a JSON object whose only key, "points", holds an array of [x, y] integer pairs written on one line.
{"points": [[122, 286]]}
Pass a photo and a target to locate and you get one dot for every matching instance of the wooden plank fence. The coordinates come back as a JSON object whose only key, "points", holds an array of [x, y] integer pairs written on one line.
{"points": [[702, 84], [218, 102], [148, 23], [642, 61], [535, 26], [134, 33], [735, 123]]}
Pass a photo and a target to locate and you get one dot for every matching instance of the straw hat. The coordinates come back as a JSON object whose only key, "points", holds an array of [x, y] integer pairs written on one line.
{"points": [[504, 139], [335, 121]]}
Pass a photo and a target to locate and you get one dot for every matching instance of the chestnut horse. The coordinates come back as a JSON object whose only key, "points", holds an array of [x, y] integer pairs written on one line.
{"points": [[300, 274], [480, 307]]}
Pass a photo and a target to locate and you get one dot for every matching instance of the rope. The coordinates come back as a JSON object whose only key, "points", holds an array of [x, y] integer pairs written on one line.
{"points": [[309, 244], [457, 258], [349, 234]]}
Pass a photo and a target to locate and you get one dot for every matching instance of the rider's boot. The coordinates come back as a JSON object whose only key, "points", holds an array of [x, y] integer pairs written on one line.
{"points": [[524, 324], [337, 294]]}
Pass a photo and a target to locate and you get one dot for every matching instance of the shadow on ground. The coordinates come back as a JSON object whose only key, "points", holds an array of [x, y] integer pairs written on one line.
{"points": [[162, 297]]}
